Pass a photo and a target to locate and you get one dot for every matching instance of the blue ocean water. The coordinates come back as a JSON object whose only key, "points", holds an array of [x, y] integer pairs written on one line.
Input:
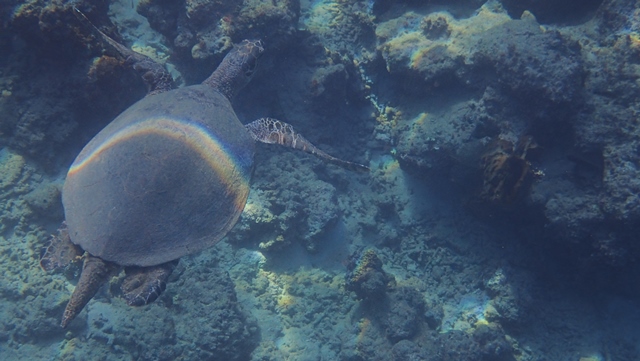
{"points": [[498, 219]]}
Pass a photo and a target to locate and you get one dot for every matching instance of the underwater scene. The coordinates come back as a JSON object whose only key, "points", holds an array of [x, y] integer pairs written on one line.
{"points": [[320, 180]]}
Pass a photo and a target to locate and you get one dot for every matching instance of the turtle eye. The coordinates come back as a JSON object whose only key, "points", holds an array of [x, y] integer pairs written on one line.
{"points": [[249, 67], [249, 51]]}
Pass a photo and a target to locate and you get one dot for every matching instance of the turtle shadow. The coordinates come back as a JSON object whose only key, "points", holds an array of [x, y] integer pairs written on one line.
{"points": [[331, 255]]}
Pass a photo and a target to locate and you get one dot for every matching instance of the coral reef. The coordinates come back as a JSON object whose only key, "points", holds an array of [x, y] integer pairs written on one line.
{"points": [[435, 96], [593, 213], [405, 315], [407, 350], [508, 297], [280, 213], [517, 51], [50, 54], [226, 330], [548, 11], [202, 30], [45, 201], [366, 277], [503, 58], [340, 24]]}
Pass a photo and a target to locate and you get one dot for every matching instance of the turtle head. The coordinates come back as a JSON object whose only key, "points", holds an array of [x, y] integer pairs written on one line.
{"points": [[237, 68]]}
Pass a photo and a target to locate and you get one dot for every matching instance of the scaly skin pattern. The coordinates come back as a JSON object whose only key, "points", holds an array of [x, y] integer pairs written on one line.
{"points": [[144, 285], [237, 68], [60, 252], [273, 131]]}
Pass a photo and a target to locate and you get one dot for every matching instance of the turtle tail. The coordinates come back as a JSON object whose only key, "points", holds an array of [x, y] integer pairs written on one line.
{"points": [[273, 131], [95, 272]]}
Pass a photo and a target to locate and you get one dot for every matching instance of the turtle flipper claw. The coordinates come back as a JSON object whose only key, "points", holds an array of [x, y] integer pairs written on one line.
{"points": [[144, 285], [273, 131]]}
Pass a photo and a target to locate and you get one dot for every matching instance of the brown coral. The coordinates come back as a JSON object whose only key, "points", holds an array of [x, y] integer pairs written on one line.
{"points": [[102, 67], [366, 277], [507, 172]]}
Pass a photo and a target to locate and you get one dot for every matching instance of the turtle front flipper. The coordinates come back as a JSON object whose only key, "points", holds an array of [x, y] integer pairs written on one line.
{"points": [[144, 285], [155, 75], [273, 131], [95, 272], [60, 252]]}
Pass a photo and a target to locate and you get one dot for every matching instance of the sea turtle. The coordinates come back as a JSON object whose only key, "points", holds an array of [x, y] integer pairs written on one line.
{"points": [[168, 177]]}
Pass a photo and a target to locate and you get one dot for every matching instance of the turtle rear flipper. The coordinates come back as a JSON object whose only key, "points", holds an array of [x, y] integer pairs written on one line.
{"points": [[155, 75], [95, 273], [273, 131], [144, 285], [61, 251]]}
